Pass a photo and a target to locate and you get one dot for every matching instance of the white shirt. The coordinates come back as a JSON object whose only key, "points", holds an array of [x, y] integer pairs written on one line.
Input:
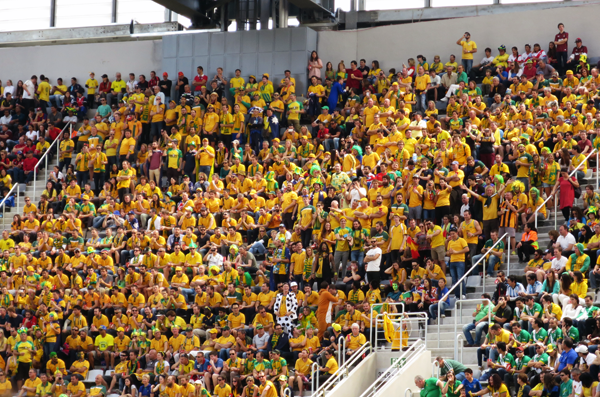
{"points": [[463, 208], [216, 260], [156, 223], [487, 60], [558, 264], [566, 241], [418, 133], [5, 120], [355, 194], [131, 85], [29, 85], [373, 266], [70, 119], [435, 81], [33, 135], [9, 90]]}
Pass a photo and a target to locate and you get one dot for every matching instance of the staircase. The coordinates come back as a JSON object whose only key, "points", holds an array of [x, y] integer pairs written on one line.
{"points": [[449, 341]]}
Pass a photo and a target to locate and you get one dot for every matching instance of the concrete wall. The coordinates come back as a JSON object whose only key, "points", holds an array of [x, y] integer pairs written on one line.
{"points": [[254, 52], [78, 60], [393, 45], [398, 385], [359, 380]]}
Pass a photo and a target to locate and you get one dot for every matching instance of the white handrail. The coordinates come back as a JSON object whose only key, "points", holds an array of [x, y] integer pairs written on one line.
{"points": [[458, 313], [396, 368], [341, 350], [408, 389], [538, 208], [3, 202], [45, 156], [314, 376], [343, 370], [459, 283], [459, 346], [374, 328], [404, 317]]}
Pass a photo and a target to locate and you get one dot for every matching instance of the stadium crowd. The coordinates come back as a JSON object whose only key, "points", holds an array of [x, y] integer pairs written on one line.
{"points": [[213, 235]]}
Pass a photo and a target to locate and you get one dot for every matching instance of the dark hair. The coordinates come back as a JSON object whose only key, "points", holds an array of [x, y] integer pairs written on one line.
{"points": [[496, 381]]}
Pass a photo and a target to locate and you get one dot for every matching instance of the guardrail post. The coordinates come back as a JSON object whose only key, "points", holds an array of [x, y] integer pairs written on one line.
{"points": [[555, 213], [508, 257], [597, 168]]}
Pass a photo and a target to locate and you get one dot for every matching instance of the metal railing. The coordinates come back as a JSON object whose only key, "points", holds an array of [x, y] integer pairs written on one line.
{"points": [[404, 361], [373, 325], [341, 350], [509, 253], [458, 346], [435, 373], [45, 156], [459, 284], [406, 394], [17, 200], [420, 317], [535, 214], [458, 312], [342, 372]]}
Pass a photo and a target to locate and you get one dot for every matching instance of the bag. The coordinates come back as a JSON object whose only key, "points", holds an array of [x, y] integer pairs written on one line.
{"points": [[577, 192]]}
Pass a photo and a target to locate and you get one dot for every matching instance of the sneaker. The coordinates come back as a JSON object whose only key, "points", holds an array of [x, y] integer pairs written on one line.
{"points": [[444, 99], [464, 296], [513, 253]]}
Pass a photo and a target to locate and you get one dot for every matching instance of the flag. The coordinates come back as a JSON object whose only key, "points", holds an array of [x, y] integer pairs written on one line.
{"points": [[414, 248], [388, 328]]}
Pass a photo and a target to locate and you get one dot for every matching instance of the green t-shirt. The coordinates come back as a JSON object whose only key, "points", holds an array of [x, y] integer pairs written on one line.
{"points": [[539, 336], [573, 333], [519, 364], [483, 312], [431, 389], [566, 388], [523, 337], [537, 308], [452, 389], [452, 364], [342, 245], [555, 336]]}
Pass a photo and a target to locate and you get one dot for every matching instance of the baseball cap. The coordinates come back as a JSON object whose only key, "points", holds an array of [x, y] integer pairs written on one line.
{"points": [[166, 74], [336, 327], [581, 349], [120, 329]]}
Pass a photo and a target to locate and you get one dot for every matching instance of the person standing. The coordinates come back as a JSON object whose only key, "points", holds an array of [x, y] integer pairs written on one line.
{"points": [[561, 41], [373, 262], [457, 248], [469, 47]]}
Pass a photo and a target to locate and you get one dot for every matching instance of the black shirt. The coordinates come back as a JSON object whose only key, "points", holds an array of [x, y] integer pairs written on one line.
{"points": [[143, 85], [165, 87], [181, 87]]}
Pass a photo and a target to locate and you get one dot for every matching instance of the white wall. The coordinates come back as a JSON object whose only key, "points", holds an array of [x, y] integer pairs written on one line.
{"points": [[398, 385], [78, 60], [359, 380], [393, 45]]}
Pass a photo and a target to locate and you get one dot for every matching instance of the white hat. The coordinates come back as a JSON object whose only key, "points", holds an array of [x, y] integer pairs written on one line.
{"points": [[581, 349], [293, 284]]}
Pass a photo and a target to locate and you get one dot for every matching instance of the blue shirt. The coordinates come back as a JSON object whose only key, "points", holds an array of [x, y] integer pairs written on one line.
{"points": [[204, 366], [567, 358], [474, 386]]}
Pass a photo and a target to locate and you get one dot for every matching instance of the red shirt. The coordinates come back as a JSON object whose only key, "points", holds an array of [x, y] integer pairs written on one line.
{"points": [[29, 163], [352, 83], [153, 82], [321, 133], [53, 132], [562, 47], [202, 80], [105, 87], [567, 192]]}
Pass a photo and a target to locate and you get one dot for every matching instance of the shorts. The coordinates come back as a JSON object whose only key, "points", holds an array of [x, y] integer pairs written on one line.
{"points": [[438, 253], [415, 212], [544, 184], [23, 371], [509, 230]]}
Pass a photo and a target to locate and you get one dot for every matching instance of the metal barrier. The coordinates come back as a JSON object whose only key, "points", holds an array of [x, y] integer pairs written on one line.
{"points": [[341, 351], [408, 389], [459, 284], [373, 327], [434, 373], [458, 313], [405, 359], [45, 156], [342, 372], [508, 256], [420, 317], [17, 199], [459, 346], [538, 208], [314, 377]]}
